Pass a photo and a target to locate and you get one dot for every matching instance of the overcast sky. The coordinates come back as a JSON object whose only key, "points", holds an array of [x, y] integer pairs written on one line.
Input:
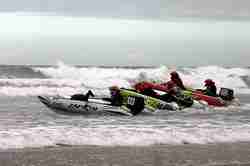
{"points": [[133, 8], [125, 32]]}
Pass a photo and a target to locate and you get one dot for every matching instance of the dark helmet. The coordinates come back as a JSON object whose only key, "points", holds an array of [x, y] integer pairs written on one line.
{"points": [[209, 82], [114, 88], [174, 74]]}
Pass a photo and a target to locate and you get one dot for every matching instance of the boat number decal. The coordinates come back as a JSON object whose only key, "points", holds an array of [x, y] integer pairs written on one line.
{"points": [[131, 100]]}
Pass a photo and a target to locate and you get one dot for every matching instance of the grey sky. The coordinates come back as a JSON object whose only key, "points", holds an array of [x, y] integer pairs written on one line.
{"points": [[141, 34], [158, 9]]}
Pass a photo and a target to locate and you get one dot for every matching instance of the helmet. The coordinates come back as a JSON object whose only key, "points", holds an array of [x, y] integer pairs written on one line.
{"points": [[174, 74], [209, 82], [114, 88], [138, 86]]}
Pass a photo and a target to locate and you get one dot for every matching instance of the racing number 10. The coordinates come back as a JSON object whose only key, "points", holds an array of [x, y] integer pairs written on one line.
{"points": [[131, 100]]}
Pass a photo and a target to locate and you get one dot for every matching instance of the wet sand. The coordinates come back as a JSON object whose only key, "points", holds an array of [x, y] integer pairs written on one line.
{"points": [[232, 154]]}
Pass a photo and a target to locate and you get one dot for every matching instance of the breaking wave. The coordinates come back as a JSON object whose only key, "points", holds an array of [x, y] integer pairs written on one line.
{"points": [[63, 79]]}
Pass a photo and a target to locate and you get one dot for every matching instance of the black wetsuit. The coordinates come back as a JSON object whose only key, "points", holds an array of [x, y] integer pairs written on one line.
{"points": [[210, 91], [116, 100], [150, 92]]}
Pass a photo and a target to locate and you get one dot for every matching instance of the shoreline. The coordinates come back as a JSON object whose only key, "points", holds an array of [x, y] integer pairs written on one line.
{"points": [[184, 155]]}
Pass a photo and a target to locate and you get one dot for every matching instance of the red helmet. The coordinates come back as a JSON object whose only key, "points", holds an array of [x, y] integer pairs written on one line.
{"points": [[138, 86], [209, 82]]}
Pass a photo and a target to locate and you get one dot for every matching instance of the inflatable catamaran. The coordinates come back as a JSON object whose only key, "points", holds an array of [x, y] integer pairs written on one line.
{"points": [[224, 98], [133, 103]]}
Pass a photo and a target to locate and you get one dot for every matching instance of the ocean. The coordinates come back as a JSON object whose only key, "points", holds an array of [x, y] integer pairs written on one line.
{"points": [[25, 122]]}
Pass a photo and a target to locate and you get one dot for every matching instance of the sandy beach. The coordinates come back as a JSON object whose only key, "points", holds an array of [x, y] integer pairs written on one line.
{"points": [[233, 154]]}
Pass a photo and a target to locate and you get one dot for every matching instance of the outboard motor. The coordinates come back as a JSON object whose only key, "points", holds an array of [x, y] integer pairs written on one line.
{"points": [[226, 94]]}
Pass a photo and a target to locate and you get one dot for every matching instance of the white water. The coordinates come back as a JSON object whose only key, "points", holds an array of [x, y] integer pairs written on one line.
{"points": [[124, 135], [67, 80], [25, 122]]}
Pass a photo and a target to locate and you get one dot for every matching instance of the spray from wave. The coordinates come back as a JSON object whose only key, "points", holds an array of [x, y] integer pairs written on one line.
{"points": [[66, 80]]}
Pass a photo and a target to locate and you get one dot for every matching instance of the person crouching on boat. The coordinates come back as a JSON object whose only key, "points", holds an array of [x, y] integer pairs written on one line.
{"points": [[82, 97], [172, 91], [176, 79], [146, 88], [115, 96], [175, 94], [211, 89]]}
